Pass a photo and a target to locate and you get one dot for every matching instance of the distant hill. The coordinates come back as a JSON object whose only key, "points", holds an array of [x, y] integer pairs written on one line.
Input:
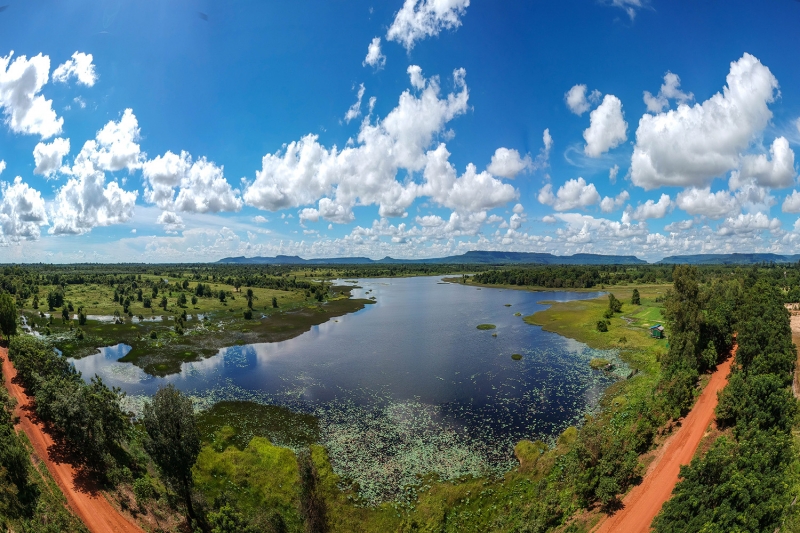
{"points": [[728, 259], [469, 258]]}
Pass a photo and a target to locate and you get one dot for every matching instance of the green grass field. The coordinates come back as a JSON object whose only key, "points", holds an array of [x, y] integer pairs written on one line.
{"points": [[627, 331]]}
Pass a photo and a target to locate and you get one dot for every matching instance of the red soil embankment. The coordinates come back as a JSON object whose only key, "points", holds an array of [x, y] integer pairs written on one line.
{"points": [[89, 504], [643, 503]]}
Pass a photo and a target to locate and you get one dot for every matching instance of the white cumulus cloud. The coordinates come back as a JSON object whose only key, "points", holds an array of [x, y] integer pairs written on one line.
{"points": [[577, 100], [669, 91], [365, 173], [776, 171], [86, 201], [22, 212], [201, 185], [608, 204], [792, 203], [26, 110], [508, 163], [375, 57], [575, 193], [703, 202], [471, 192], [48, 156], [419, 19], [607, 127], [171, 221], [651, 209], [80, 67], [116, 145], [690, 146], [748, 223]]}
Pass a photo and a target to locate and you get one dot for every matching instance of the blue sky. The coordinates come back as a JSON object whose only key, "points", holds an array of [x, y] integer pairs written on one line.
{"points": [[194, 130]]}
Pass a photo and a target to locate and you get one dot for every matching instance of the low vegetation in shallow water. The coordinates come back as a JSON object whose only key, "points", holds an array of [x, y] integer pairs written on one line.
{"points": [[245, 420], [516, 356], [598, 363], [261, 479], [486, 326]]}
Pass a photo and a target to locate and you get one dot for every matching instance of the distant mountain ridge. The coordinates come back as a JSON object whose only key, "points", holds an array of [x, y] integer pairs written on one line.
{"points": [[477, 257], [728, 259], [471, 258]]}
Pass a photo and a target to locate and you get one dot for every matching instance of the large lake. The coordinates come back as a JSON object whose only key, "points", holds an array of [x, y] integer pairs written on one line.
{"points": [[408, 385]]}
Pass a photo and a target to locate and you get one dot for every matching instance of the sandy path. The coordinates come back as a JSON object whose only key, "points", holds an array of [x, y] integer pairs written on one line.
{"points": [[643, 503], [794, 320], [91, 507]]}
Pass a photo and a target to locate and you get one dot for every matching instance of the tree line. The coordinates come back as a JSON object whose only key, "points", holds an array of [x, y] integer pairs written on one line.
{"points": [[575, 276], [743, 482]]}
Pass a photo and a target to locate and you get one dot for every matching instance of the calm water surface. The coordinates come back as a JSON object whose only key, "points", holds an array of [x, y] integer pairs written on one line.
{"points": [[411, 370]]}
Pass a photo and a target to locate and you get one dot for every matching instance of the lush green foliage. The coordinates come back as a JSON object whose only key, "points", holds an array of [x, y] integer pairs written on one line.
{"points": [[574, 277], [741, 484], [29, 499], [8, 315], [88, 416], [174, 441], [700, 330]]}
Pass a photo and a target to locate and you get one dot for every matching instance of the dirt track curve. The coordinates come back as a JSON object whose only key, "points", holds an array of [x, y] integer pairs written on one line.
{"points": [[643, 503], [90, 505]]}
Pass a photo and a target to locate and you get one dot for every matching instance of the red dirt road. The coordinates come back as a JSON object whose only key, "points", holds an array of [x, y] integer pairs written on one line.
{"points": [[643, 503], [91, 507]]}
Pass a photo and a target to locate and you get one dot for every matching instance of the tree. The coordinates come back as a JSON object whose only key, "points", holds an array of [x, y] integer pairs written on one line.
{"points": [[274, 302], [164, 302], [8, 315], [173, 440], [221, 296], [250, 297], [635, 297], [227, 520], [614, 304], [55, 299]]}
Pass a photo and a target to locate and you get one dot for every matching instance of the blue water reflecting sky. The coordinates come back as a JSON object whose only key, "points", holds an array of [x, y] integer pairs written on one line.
{"points": [[419, 343]]}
